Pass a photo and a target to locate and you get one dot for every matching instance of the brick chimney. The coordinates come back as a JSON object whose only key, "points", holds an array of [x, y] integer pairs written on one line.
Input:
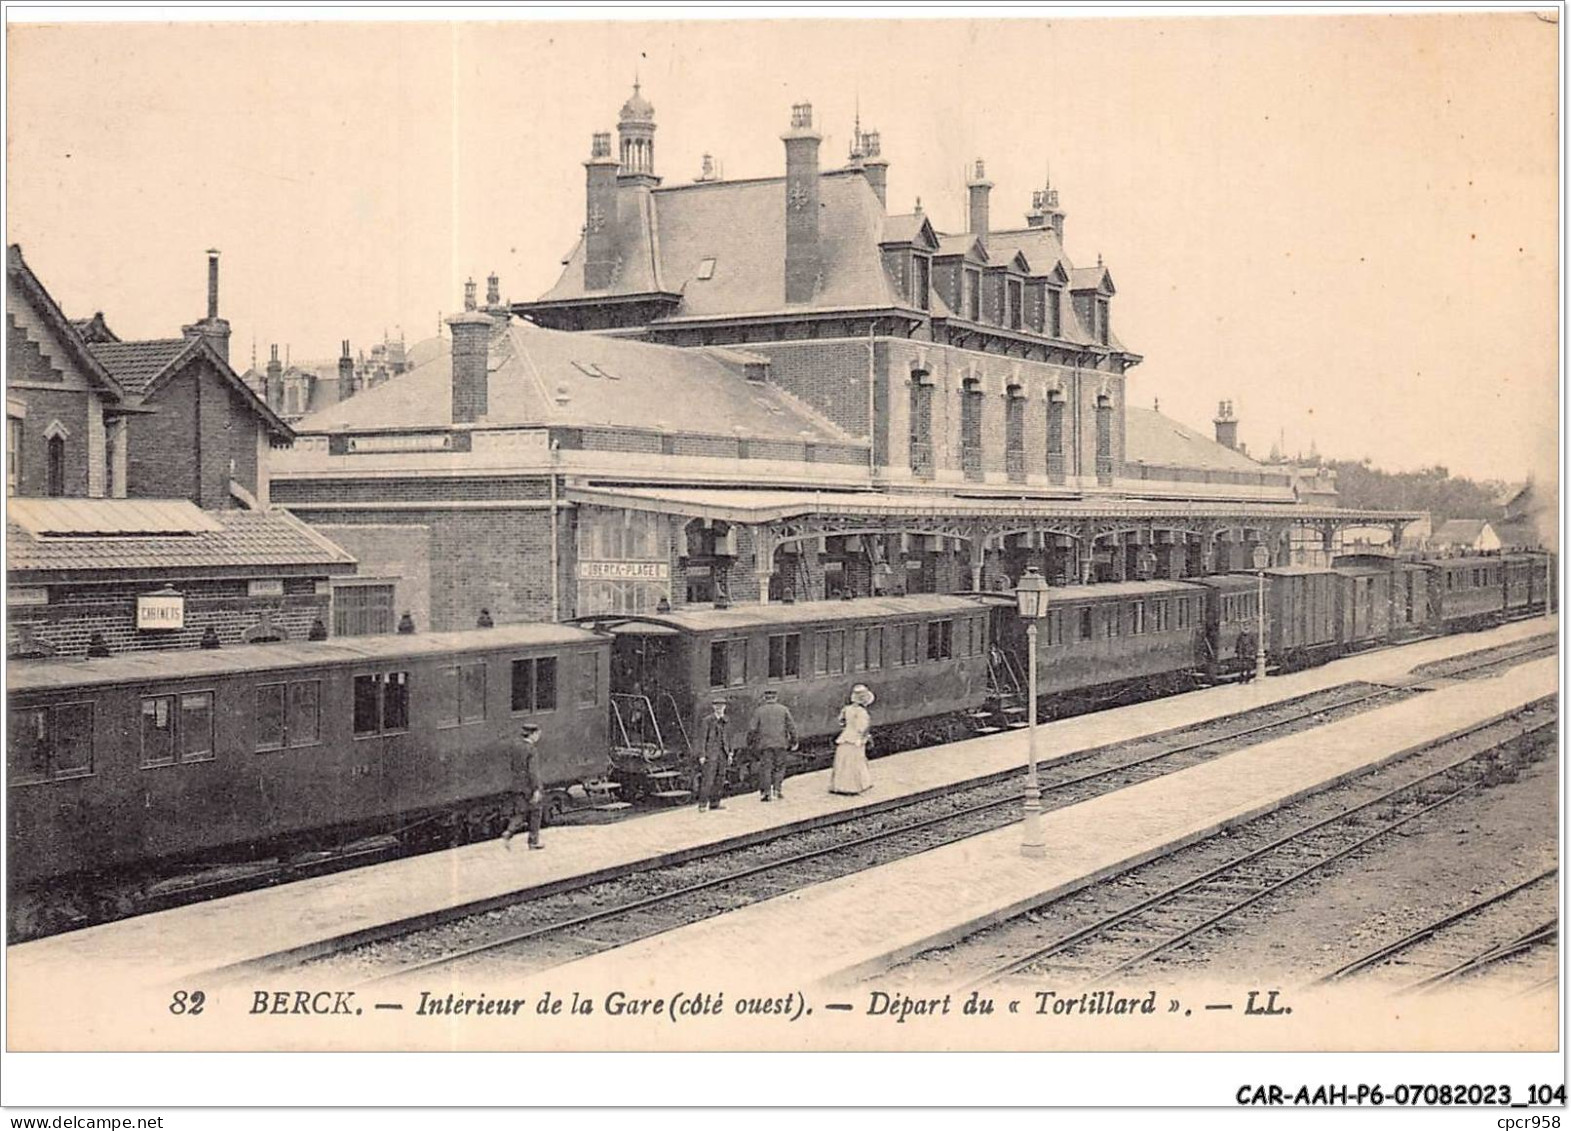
{"points": [[274, 386], [874, 167], [471, 356], [213, 328], [802, 263], [1226, 425], [346, 374], [977, 190], [600, 214]]}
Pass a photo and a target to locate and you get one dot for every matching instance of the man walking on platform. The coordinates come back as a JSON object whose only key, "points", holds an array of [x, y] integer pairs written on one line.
{"points": [[528, 788], [714, 754], [773, 735]]}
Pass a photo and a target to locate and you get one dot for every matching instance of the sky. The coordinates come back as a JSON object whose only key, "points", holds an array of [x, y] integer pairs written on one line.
{"points": [[1345, 224]]}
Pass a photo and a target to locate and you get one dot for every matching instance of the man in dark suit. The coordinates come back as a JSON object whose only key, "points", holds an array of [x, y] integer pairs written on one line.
{"points": [[528, 788], [714, 754], [773, 736]]}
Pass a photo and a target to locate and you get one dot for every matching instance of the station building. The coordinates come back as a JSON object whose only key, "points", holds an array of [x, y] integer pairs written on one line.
{"points": [[775, 388], [138, 511]]}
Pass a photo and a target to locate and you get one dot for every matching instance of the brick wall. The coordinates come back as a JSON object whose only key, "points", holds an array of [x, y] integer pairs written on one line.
{"points": [[161, 449], [502, 489], [398, 552], [76, 612], [481, 559], [53, 390], [830, 376], [950, 366]]}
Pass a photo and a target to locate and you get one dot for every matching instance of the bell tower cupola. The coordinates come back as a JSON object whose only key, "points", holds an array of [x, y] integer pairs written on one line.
{"points": [[636, 131]]}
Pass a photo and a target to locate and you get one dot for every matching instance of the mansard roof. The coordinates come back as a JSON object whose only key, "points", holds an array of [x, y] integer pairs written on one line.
{"points": [[665, 235]]}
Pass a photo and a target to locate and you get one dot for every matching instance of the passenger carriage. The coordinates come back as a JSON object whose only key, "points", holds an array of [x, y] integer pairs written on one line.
{"points": [[195, 755], [925, 657], [1112, 637]]}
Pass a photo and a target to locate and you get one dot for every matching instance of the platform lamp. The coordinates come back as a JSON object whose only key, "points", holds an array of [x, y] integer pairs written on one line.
{"points": [[1031, 601], [1262, 558]]}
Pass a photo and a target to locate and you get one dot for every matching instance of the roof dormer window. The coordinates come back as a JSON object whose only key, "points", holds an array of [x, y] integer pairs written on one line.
{"points": [[921, 281], [973, 295], [1012, 303], [1055, 315]]}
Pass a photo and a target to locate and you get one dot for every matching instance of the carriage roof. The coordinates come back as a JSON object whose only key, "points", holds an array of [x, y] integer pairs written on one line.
{"points": [[158, 666]]}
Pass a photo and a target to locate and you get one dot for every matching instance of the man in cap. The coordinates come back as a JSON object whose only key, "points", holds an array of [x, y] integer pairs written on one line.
{"points": [[714, 754], [772, 734], [528, 788]]}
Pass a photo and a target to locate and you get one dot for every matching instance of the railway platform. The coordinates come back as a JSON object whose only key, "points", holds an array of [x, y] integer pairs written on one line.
{"points": [[72, 973], [857, 925]]}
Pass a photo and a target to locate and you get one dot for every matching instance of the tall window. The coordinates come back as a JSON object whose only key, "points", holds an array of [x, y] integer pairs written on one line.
{"points": [[973, 285], [13, 454], [1055, 318], [921, 406], [1015, 433], [971, 428], [1055, 437], [55, 482], [1101, 320], [1104, 440], [921, 281], [1012, 292]]}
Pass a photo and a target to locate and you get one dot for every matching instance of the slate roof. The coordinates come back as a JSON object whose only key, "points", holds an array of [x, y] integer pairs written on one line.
{"points": [[1151, 438], [553, 377], [243, 543], [665, 234]]}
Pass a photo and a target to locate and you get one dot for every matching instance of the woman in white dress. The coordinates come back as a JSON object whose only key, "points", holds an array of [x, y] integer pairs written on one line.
{"points": [[850, 774]]}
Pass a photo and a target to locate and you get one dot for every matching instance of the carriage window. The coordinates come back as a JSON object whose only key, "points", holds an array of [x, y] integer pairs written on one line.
{"points": [[305, 713], [820, 653], [1055, 626], [837, 651], [534, 684], [51, 742], [461, 694], [381, 703], [717, 663], [1085, 624], [196, 726], [736, 676], [1137, 618], [785, 656], [873, 653], [158, 731], [269, 724], [940, 639], [1112, 622], [588, 679], [368, 704], [857, 656]]}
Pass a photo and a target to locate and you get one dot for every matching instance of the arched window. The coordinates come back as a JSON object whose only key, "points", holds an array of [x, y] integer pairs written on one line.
{"points": [[55, 482]]}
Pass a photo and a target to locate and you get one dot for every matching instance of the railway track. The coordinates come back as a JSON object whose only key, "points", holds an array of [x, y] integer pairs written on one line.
{"points": [[595, 917], [1128, 921], [1482, 664], [1544, 934], [1437, 943]]}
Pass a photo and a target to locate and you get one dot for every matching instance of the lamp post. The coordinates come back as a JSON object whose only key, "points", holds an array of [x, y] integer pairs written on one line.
{"points": [[1262, 558], [1031, 601]]}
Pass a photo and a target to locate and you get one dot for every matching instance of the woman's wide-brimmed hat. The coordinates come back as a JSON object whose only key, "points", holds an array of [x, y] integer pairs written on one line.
{"points": [[861, 696]]}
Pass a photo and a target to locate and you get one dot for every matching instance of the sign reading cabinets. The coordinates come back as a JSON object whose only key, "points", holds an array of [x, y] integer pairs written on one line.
{"points": [[160, 611]]}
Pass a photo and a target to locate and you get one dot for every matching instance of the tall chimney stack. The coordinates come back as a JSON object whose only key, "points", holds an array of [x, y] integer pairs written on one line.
{"points": [[977, 190], [471, 356], [346, 374], [600, 214], [274, 388], [802, 263], [874, 167], [1226, 425], [213, 328]]}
